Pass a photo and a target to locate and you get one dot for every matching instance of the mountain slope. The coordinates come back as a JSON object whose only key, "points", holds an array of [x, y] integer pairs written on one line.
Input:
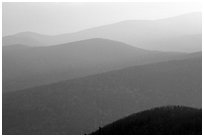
{"points": [[25, 38], [134, 32], [81, 105], [184, 43], [171, 120], [25, 67]]}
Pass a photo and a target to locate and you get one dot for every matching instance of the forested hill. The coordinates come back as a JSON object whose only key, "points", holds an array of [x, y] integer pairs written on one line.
{"points": [[170, 120]]}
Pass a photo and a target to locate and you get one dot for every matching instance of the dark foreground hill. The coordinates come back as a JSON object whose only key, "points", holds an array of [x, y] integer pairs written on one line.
{"points": [[81, 105], [170, 120]]}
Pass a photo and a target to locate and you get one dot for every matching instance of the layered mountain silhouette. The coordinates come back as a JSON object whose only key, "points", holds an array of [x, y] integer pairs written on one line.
{"points": [[139, 33], [170, 120], [82, 105], [25, 66], [76, 83]]}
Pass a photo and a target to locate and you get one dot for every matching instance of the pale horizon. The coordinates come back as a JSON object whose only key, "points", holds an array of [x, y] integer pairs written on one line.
{"points": [[60, 18]]}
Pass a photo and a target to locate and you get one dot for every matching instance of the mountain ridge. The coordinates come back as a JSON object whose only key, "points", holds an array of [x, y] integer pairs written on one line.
{"points": [[32, 32], [101, 99], [30, 66], [134, 33], [191, 56]]}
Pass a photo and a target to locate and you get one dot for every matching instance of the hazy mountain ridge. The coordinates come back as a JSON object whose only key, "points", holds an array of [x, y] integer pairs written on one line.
{"points": [[25, 66], [134, 32], [65, 107], [191, 43]]}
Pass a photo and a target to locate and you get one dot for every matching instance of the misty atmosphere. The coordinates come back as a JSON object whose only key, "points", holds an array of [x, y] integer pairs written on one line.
{"points": [[101, 69]]}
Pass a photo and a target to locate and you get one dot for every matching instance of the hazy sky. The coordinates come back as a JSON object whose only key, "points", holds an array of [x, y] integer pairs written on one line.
{"points": [[57, 18]]}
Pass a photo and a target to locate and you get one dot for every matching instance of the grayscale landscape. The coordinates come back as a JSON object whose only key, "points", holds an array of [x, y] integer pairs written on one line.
{"points": [[131, 76]]}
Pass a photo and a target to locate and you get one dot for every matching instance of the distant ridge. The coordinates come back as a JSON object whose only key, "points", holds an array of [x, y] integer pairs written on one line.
{"points": [[195, 14], [139, 33]]}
